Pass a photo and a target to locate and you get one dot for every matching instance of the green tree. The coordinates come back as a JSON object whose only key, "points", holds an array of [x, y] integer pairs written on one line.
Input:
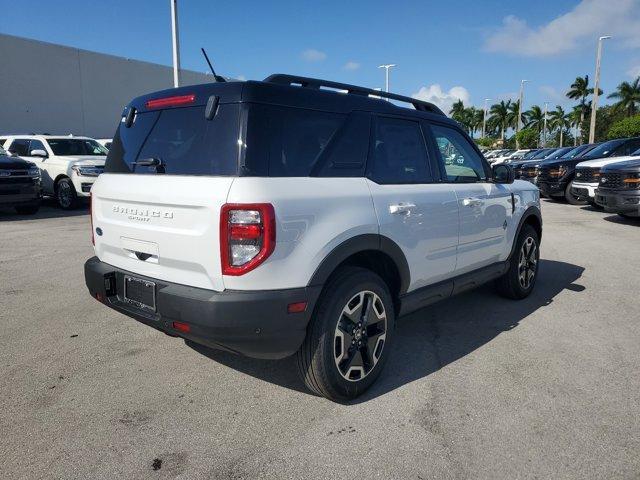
{"points": [[527, 138], [628, 127], [606, 117], [457, 111], [580, 90], [560, 120], [628, 96], [499, 116], [535, 119]]}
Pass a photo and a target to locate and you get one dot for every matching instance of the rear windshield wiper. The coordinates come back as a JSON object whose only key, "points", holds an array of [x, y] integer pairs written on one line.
{"points": [[151, 162]]}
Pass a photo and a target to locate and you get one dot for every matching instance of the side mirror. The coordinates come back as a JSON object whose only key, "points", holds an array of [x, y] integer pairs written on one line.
{"points": [[503, 174], [38, 153]]}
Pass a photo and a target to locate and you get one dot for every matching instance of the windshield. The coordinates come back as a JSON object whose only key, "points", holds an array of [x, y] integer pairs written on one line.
{"points": [[530, 154], [604, 149], [3, 151], [560, 153], [574, 152], [63, 147], [542, 154]]}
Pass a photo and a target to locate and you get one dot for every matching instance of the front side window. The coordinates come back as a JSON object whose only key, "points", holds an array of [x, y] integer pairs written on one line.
{"points": [[75, 147], [36, 145], [461, 162], [398, 154]]}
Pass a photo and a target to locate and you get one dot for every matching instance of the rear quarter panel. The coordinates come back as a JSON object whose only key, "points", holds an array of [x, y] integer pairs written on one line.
{"points": [[526, 196], [313, 216]]}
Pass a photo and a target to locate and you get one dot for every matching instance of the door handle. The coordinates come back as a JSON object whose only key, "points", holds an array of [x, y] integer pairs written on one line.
{"points": [[472, 202], [401, 208]]}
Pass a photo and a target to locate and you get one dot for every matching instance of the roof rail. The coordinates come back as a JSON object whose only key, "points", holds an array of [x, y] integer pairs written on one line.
{"points": [[284, 79]]}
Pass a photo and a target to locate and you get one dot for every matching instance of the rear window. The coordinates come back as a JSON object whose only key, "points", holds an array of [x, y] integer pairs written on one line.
{"points": [[181, 139]]}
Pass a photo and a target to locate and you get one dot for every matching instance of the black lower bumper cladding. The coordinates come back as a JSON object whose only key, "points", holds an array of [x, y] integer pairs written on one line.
{"points": [[252, 323]]}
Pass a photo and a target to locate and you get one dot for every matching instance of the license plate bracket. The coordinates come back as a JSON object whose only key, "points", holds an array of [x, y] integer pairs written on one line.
{"points": [[140, 293]]}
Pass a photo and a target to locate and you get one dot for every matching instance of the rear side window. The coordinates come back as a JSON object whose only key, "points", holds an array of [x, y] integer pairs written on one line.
{"points": [[628, 148], [181, 139], [288, 142], [398, 153]]}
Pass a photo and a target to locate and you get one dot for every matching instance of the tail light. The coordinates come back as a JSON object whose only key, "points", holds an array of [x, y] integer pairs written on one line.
{"points": [[247, 236], [93, 239], [171, 101]]}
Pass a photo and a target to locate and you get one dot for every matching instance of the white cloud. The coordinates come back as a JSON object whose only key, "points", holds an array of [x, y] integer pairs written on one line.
{"points": [[444, 100], [634, 72], [577, 28], [550, 94], [313, 55], [351, 66]]}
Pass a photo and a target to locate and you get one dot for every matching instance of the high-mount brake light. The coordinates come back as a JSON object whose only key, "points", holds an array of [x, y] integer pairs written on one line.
{"points": [[247, 236], [171, 101]]}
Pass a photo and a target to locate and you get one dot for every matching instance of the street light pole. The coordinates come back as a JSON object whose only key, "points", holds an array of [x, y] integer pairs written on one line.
{"points": [[386, 77], [544, 128], [596, 88], [175, 43], [520, 100], [484, 118]]}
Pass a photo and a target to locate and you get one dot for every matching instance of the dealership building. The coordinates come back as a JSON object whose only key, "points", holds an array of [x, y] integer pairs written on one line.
{"points": [[48, 88]]}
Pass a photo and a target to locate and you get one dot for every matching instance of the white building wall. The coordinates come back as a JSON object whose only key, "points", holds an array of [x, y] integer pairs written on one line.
{"points": [[61, 90]]}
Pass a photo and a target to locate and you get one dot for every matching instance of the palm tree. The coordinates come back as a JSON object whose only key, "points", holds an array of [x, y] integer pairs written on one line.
{"points": [[535, 119], [457, 111], [478, 118], [575, 118], [499, 116], [558, 118], [628, 95], [514, 108], [579, 90]]}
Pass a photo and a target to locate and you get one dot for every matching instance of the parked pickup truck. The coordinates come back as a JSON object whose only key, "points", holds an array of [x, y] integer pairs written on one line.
{"points": [[19, 184]]}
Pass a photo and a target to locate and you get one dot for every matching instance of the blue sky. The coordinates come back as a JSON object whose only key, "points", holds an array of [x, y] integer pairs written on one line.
{"points": [[444, 50]]}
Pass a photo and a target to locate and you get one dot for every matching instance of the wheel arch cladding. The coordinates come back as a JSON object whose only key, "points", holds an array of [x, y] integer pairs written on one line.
{"points": [[375, 252], [532, 217], [57, 180]]}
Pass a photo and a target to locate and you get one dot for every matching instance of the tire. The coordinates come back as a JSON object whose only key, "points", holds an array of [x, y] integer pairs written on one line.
{"points": [[596, 206], [571, 198], [329, 360], [28, 209], [521, 277], [66, 194]]}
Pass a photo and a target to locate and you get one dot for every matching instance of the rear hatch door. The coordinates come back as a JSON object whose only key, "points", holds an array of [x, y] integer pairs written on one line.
{"points": [[156, 208]]}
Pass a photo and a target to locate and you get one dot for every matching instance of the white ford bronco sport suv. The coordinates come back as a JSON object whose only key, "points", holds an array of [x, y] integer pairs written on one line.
{"points": [[279, 217], [68, 165]]}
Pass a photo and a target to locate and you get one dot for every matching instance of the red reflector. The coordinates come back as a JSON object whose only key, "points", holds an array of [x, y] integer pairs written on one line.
{"points": [[171, 101], [244, 232], [182, 327], [296, 307], [100, 297]]}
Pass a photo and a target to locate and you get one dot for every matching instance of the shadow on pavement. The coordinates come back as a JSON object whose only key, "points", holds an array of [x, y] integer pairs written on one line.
{"points": [[433, 337], [635, 221], [48, 209]]}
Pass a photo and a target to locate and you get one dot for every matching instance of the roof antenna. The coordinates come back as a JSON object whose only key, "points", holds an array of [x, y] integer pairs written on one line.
{"points": [[218, 78]]}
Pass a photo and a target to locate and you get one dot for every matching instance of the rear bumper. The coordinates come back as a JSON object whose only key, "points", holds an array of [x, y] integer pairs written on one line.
{"points": [[619, 202], [252, 323]]}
